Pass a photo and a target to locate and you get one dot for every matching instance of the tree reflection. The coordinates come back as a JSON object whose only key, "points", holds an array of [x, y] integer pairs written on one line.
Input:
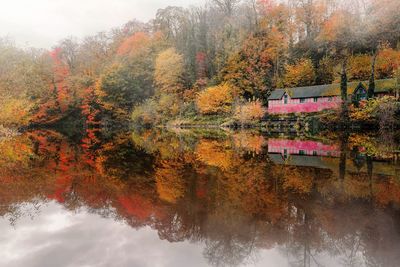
{"points": [[228, 191]]}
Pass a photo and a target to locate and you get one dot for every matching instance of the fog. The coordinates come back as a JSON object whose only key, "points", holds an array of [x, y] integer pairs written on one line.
{"points": [[41, 23]]}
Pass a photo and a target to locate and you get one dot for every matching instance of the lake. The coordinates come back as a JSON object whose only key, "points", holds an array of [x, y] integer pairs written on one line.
{"points": [[199, 197]]}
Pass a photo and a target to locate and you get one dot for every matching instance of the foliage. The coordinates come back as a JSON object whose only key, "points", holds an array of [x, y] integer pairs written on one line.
{"points": [[164, 67], [325, 73], [215, 100], [120, 88], [388, 62], [156, 110], [381, 110], [252, 71], [359, 67], [24, 78], [249, 112], [168, 74], [139, 43], [301, 73]]}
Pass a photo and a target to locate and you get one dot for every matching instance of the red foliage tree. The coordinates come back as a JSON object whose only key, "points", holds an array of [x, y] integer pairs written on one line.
{"points": [[57, 103]]}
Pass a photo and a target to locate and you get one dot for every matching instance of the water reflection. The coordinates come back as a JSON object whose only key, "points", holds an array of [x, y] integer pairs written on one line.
{"points": [[228, 198]]}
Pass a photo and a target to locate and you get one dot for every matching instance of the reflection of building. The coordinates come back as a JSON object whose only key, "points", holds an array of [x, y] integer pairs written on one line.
{"points": [[304, 153], [322, 97], [287, 147], [308, 153]]}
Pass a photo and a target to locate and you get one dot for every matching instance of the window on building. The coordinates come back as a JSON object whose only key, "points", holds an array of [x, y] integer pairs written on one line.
{"points": [[302, 100], [361, 95], [315, 153], [302, 152], [330, 99], [315, 99], [285, 99]]}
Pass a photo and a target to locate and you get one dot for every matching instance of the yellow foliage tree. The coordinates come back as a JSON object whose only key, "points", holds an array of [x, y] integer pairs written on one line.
{"points": [[168, 72], [15, 111], [301, 73], [359, 67], [215, 100]]}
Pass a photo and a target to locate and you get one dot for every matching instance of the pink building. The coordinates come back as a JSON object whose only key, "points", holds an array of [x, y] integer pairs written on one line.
{"points": [[322, 97]]}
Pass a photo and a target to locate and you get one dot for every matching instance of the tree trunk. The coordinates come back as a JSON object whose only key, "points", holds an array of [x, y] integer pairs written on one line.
{"points": [[371, 85], [344, 117], [343, 81], [344, 141], [254, 6], [398, 84]]}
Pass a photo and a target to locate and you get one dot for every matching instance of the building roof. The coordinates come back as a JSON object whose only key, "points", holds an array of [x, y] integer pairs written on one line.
{"points": [[381, 86], [298, 160], [277, 94]]}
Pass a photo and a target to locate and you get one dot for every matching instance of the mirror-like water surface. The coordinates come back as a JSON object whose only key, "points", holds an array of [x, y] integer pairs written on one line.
{"points": [[199, 198]]}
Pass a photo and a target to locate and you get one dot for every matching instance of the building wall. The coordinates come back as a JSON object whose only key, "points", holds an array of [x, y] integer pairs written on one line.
{"points": [[294, 105]]}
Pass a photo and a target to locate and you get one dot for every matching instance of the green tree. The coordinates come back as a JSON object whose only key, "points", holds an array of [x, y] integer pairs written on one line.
{"points": [[120, 88]]}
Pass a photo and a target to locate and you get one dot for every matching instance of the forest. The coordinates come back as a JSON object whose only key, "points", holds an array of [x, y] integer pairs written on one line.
{"points": [[217, 63]]}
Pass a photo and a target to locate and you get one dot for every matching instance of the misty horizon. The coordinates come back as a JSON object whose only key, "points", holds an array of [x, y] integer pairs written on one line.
{"points": [[43, 23]]}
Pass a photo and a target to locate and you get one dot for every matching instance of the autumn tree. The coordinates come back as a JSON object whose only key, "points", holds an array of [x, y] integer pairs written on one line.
{"points": [[249, 112], [387, 63], [169, 70], [24, 79], [60, 99], [130, 79], [249, 69], [215, 100], [120, 88], [259, 63], [340, 35], [325, 71], [359, 67], [301, 73]]}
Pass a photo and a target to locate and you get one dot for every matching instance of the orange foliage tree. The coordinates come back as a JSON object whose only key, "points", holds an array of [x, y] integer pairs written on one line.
{"points": [[388, 62], [215, 100]]}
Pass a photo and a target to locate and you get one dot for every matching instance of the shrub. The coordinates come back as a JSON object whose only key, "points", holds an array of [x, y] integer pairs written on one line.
{"points": [[382, 110], [215, 100], [146, 113], [249, 112], [156, 110]]}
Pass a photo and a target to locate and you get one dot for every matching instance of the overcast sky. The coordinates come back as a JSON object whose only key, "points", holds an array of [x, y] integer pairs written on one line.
{"points": [[41, 23]]}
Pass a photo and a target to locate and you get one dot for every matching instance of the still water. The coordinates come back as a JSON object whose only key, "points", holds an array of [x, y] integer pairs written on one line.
{"points": [[199, 198]]}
